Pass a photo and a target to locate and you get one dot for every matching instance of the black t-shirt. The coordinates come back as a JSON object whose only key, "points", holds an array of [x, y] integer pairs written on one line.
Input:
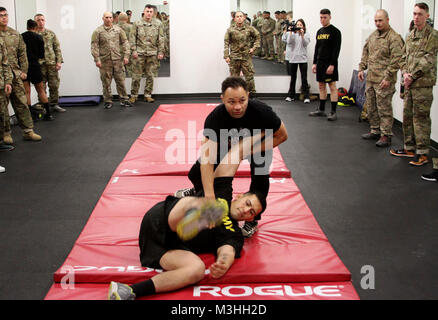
{"points": [[328, 45], [34, 46], [220, 127]]}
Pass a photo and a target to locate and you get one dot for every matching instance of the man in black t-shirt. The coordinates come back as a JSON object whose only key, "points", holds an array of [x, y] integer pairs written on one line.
{"points": [[236, 119], [205, 231], [325, 64]]}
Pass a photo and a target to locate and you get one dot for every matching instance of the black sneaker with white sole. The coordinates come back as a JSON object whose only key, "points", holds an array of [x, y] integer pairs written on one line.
{"points": [[249, 229], [432, 177], [190, 192]]}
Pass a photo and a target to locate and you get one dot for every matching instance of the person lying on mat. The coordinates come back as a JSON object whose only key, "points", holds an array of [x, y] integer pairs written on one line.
{"points": [[175, 230], [238, 117]]}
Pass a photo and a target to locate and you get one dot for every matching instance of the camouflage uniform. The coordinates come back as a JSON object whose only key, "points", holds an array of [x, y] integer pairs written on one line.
{"points": [[238, 43], [257, 24], [420, 60], [17, 58], [52, 56], [435, 163], [268, 27], [166, 29], [110, 46], [147, 39], [127, 28], [278, 33], [5, 78], [381, 56]]}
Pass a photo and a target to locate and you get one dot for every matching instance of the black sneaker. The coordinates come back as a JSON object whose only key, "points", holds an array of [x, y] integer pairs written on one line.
{"points": [[126, 104], [108, 105], [48, 117], [332, 116], [371, 136], [185, 193], [6, 147], [432, 177], [249, 229], [317, 113]]}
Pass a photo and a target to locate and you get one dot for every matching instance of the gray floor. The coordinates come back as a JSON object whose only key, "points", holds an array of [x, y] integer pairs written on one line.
{"points": [[374, 208]]}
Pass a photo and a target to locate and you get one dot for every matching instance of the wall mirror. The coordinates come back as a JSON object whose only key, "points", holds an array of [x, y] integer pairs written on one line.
{"points": [[254, 9], [136, 8]]}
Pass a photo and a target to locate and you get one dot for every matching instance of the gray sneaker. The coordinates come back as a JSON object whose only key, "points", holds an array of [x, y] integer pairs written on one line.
{"points": [[332, 116], [317, 113], [185, 193], [57, 108], [119, 291], [249, 229]]}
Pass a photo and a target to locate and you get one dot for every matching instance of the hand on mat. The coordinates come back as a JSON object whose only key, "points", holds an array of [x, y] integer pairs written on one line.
{"points": [[219, 269]]}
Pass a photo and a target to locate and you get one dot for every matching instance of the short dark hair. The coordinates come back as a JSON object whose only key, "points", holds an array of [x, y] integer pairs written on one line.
{"points": [[31, 24], [3, 9], [325, 11], [261, 198], [235, 83], [423, 6], [149, 6]]}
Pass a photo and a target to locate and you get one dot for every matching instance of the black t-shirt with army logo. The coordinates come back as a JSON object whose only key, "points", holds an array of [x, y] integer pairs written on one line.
{"points": [[220, 127]]}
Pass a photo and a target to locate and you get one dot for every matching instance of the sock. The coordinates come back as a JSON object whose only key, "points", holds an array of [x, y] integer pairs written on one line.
{"points": [[144, 288], [47, 108], [322, 105], [334, 105]]}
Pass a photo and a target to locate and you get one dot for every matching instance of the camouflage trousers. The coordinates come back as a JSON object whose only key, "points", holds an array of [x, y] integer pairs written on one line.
{"points": [[3, 110], [378, 104], [417, 125], [268, 46], [19, 104], [147, 65], [51, 79], [435, 163], [113, 69], [280, 49], [247, 68]]}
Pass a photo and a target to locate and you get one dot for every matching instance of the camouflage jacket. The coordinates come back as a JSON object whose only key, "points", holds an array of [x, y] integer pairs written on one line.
{"points": [[147, 38], [381, 56], [420, 57], [279, 28], [239, 40], [5, 70], [125, 27], [52, 48], [17, 55], [109, 44], [268, 26]]}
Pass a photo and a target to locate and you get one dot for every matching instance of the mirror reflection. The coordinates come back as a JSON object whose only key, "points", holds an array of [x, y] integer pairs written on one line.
{"points": [[126, 12], [268, 18]]}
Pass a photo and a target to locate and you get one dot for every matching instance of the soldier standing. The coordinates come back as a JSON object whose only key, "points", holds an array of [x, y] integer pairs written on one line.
{"points": [[5, 91], [278, 33], [257, 23], [125, 26], [419, 69], [17, 58], [52, 63], [381, 57], [241, 41], [268, 27], [147, 47], [110, 50]]}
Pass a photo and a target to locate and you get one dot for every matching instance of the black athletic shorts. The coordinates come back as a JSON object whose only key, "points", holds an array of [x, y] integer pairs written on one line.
{"points": [[155, 237], [34, 74], [321, 73]]}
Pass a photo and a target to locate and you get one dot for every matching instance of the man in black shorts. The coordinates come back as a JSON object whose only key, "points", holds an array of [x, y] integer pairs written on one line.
{"points": [[235, 119], [173, 232], [35, 52], [325, 64]]}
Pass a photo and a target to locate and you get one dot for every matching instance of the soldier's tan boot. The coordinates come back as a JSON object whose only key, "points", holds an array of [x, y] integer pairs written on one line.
{"points": [[7, 139], [31, 136], [149, 100], [132, 99]]}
